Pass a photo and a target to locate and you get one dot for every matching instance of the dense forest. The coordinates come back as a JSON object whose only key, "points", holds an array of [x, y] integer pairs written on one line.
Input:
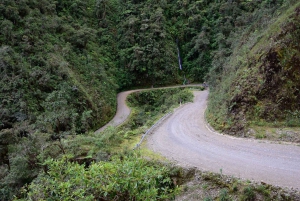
{"points": [[62, 63]]}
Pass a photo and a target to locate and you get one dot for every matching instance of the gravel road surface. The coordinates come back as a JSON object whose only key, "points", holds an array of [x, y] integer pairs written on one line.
{"points": [[123, 111], [186, 139]]}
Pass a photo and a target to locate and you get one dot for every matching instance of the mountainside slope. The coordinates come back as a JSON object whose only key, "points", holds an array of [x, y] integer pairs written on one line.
{"points": [[56, 79], [62, 63], [260, 81]]}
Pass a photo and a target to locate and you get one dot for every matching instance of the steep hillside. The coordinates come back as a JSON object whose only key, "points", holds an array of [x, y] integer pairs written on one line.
{"points": [[62, 63], [56, 79], [260, 81]]}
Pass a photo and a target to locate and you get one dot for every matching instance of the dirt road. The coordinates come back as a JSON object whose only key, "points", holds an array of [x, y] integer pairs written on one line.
{"points": [[123, 111], [186, 139]]}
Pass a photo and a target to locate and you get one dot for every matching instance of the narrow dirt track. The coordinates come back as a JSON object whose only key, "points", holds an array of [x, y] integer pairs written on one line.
{"points": [[123, 111], [186, 139]]}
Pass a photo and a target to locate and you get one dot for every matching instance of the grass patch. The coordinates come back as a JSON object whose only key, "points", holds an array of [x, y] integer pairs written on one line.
{"points": [[274, 133], [248, 194], [260, 135]]}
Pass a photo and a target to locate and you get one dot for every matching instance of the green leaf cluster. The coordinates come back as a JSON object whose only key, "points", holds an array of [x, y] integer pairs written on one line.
{"points": [[149, 104], [126, 178]]}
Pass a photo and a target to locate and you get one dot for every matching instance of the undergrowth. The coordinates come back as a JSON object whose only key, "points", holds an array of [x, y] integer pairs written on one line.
{"points": [[147, 107], [214, 186], [126, 177], [259, 84], [102, 150]]}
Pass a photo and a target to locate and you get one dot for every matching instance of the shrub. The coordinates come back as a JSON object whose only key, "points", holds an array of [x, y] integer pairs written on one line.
{"points": [[248, 194], [124, 178], [224, 195]]}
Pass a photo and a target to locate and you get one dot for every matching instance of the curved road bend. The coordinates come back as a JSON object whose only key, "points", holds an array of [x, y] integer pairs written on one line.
{"points": [[123, 111], [185, 138]]}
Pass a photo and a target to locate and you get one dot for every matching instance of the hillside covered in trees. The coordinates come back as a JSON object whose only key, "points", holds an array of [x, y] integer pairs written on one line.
{"points": [[62, 63]]}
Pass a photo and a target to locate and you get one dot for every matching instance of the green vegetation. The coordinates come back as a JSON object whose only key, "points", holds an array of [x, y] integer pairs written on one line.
{"points": [[91, 147], [62, 63], [160, 101], [124, 178], [54, 82], [259, 83], [212, 186]]}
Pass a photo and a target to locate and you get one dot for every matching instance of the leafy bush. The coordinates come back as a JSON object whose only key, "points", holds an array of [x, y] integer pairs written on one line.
{"points": [[156, 102], [125, 178], [154, 99]]}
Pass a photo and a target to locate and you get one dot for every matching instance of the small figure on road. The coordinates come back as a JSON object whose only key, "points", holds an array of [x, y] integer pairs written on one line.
{"points": [[205, 85]]}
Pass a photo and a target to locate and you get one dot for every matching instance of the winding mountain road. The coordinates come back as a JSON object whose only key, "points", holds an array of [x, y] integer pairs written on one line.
{"points": [[123, 111], [185, 138]]}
